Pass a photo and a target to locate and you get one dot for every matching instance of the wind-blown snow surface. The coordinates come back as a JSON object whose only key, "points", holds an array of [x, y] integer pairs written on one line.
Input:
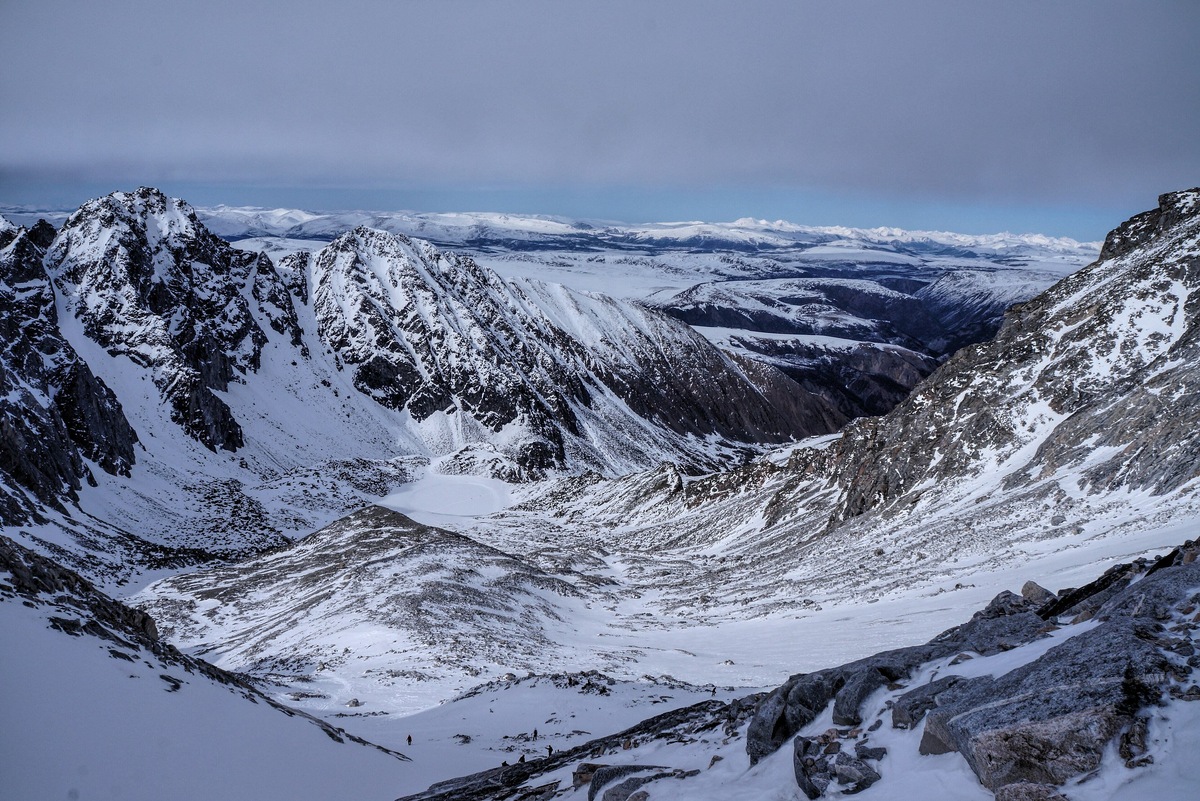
{"points": [[81, 724], [95, 707]]}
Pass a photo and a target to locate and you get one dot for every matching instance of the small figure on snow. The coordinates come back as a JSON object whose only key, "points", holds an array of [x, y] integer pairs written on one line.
{"points": [[549, 750], [410, 739], [535, 735]]}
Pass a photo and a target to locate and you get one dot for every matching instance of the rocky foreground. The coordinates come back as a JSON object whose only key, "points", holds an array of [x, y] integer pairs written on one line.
{"points": [[1078, 685]]}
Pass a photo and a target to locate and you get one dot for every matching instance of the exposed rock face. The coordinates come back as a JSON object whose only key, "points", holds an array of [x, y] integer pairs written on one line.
{"points": [[429, 333], [147, 281], [1173, 209], [1027, 791], [911, 707], [674, 377], [1023, 733], [1002, 625], [432, 333], [1053, 719], [1113, 344], [54, 412]]}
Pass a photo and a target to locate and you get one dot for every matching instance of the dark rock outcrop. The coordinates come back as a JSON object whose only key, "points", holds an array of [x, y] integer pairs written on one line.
{"points": [[1035, 727], [1173, 208], [1006, 623], [149, 282], [1028, 791], [55, 414], [910, 708], [816, 767], [1052, 719]]}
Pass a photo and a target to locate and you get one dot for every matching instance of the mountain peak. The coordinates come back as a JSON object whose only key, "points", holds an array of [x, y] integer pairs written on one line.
{"points": [[1173, 208]]}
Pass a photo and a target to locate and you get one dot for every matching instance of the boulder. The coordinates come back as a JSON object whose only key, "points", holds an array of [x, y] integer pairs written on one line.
{"points": [[608, 774], [1036, 594], [850, 698], [864, 751], [1028, 791], [854, 774], [769, 727], [815, 768], [583, 773], [811, 767], [1053, 719], [909, 708]]}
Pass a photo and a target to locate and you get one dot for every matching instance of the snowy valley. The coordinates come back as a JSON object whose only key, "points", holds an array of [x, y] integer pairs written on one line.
{"points": [[304, 505]]}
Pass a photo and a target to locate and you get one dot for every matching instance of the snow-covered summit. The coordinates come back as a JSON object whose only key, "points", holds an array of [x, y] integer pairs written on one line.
{"points": [[145, 280]]}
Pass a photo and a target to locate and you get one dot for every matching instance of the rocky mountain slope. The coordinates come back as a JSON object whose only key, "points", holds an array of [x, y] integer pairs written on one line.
{"points": [[57, 412], [97, 703], [1061, 446], [436, 335], [1074, 424], [426, 605], [168, 295], [1089, 694], [199, 379], [1065, 443], [805, 300]]}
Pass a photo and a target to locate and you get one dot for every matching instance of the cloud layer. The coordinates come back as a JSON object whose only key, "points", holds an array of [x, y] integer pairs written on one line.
{"points": [[1014, 102]]}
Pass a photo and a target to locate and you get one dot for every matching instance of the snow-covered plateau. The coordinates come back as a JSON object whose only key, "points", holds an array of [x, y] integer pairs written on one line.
{"points": [[470, 506]]}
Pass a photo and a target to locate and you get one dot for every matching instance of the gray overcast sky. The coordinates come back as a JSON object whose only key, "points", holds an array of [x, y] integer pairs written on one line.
{"points": [[1050, 116]]}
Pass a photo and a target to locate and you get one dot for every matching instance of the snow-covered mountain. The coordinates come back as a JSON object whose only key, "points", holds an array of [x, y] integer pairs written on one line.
{"points": [[1061, 446], [200, 379], [1064, 444], [1074, 423], [802, 299], [510, 231], [561, 379], [812, 302]]}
